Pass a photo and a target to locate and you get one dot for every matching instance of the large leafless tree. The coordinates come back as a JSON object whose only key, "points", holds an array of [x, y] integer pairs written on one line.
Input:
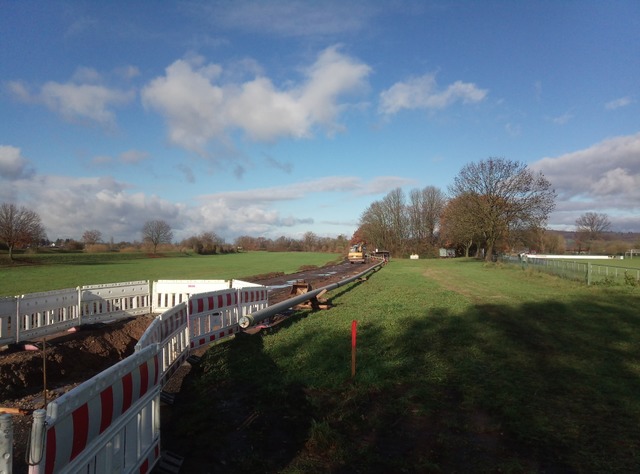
{"points": [[506, 195], [157, 232], [592, 225], [91, 237], [19, 226], [384, 224], [423, 213]]}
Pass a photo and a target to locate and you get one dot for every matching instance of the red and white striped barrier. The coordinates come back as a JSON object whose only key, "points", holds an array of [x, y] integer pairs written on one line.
{"points": [[169, 293], [213, 316], [110, 423], [171, 331], [253, 299]]}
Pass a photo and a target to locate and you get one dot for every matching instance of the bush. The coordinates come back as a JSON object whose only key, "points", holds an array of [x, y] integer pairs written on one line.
{"points": [[97, 248], [629, 279]]}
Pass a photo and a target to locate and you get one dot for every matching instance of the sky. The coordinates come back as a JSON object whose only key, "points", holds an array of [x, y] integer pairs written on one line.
{"points": [[276, 118]]}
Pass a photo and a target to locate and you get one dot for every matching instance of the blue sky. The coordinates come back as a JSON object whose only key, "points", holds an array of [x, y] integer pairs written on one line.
{"points": [[277, 118]]}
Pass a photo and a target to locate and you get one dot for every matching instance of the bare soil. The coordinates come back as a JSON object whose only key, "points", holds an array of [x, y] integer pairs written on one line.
{"points": [[74, 357]]}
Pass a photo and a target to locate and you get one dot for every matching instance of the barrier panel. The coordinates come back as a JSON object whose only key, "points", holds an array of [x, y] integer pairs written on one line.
{"points": [[8, 314], [213, 316], [253, 299], [114, 300], [45, 313], [110, 423], [169, 293], [171, 331]]}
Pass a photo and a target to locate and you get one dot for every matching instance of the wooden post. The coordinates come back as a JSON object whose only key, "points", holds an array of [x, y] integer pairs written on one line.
{"points": [[354, 331]]}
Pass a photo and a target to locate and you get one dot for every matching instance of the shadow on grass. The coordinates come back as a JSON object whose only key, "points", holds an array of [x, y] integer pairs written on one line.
{"points": [[236, 414], [548, 387]]}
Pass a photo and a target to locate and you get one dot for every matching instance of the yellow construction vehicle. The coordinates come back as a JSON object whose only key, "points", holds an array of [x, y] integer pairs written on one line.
{"points": [[358, 253]]}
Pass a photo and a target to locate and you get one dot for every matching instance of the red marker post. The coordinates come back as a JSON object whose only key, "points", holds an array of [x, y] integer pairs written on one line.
{"points": [[354, 331]]}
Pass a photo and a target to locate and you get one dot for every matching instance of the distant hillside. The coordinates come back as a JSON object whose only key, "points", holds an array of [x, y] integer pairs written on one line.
{"points": [[631, 237]]}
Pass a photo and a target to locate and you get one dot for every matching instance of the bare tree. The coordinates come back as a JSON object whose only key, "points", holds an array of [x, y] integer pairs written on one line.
{"points": [[423, 213], [19, 226], [384, 224], [157, 232], [506, 196], [91, 237], [591, 225], [459, 225]]}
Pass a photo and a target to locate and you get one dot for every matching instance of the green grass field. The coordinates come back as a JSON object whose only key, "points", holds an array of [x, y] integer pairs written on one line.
{"points": [[45, 272], [461, 367]]}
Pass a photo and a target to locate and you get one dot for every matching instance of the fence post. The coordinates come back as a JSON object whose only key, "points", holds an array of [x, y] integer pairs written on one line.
{"points": [[6, 444], [37, 445], [589, 272]]}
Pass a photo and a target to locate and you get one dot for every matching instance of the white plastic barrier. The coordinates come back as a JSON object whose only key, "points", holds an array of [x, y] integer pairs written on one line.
{"points": [[171, 331], [45, 313], [41, 314], [252, 299], [6, 443], [169, 293], [213, 316], [8, 313], [114, 300], [110, 423]]}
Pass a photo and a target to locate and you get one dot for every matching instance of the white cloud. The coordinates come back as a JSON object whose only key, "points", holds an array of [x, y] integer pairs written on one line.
{"points": [[562, 119], [618, 103], [13, 165], [290, 18], [199, 107], [133, 156], [423, 93], [604, 178], [76, 101], [84, 101], [70, 205]]}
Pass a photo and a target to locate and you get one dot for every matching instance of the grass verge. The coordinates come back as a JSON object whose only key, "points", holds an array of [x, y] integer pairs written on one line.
{"points": [[461, 367]]}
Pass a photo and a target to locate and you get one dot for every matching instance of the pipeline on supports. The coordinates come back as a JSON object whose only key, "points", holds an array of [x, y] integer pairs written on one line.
{"points": [[255, 318]]}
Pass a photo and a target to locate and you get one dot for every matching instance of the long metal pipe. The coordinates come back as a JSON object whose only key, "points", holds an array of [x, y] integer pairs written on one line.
{"points": [[254, 318]]}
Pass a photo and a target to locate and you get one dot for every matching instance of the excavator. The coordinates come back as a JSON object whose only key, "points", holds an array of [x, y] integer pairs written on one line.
{"points": [[358, 253]]}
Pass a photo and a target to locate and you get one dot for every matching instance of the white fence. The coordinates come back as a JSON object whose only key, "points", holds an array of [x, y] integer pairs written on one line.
{"points": [[575, 269], [36, 315], [111, 423]]}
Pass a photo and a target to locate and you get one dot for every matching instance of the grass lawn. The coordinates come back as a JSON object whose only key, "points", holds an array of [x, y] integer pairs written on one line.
{"points": [[45, 272], [461, 367]]}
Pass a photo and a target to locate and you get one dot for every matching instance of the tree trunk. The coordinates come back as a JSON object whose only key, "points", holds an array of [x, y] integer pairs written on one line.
{"points": [[489, 255]]}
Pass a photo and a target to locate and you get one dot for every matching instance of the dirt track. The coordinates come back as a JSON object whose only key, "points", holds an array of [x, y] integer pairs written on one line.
{"points": [[72, 358]]}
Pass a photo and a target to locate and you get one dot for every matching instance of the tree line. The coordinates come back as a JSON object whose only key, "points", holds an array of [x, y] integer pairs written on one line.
{"points": [[492, 206], [21, 228], [495, 205]]}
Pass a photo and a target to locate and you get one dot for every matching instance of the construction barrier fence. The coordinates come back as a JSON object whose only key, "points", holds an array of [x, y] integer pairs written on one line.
{"points": [[111, 422]]}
